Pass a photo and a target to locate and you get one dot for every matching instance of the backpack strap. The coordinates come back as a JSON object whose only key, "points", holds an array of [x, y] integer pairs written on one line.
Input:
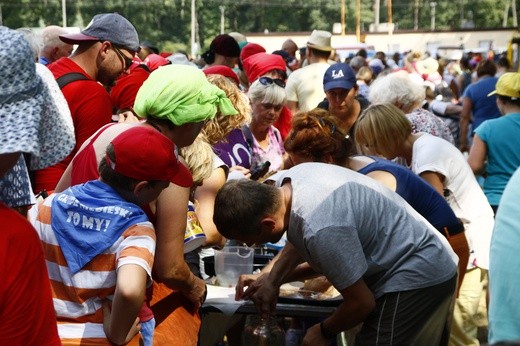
{"points": [[69, 78], [249, 137]]}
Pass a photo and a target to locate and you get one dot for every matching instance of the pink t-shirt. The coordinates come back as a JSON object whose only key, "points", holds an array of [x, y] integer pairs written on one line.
{"points": [[273, 153]]}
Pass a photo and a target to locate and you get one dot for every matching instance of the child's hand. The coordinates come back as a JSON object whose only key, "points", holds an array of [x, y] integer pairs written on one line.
{"points": [[107, 312]]}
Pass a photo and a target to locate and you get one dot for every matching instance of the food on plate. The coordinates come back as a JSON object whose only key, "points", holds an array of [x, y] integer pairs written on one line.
{"points": [[314, 289]]}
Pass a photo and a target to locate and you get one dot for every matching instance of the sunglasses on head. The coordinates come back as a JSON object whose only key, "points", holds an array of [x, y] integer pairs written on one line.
{"points": [[269, 81], [323, 124]]}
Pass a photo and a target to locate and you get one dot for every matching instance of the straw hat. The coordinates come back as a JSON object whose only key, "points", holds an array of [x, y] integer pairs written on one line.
{"points": [[320, 40]]}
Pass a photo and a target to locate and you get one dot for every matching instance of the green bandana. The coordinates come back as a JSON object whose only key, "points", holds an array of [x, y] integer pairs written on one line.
{"points": [[181, 94]]}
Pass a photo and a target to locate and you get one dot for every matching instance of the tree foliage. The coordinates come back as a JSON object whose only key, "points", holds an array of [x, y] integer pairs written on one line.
{"points": [[167, 23]]}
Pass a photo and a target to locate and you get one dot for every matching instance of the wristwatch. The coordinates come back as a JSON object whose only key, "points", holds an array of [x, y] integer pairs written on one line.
{"points": [[327, 334]]}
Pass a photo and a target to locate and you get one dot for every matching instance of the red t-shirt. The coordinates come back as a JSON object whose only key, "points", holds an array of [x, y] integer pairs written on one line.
{"points": [[91, 108], [284, 122], [26, 308], [127, 86]]}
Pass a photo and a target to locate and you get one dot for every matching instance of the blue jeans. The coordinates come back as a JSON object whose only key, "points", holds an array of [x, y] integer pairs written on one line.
{"points": [[147, 332]]}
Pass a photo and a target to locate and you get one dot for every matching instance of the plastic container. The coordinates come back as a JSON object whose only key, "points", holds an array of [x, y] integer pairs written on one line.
{"points": [[231, 262], [262, 332]]}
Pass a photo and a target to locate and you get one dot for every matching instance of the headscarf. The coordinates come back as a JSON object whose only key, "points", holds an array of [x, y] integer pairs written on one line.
{"points": [[259, 64], [181, 94]]}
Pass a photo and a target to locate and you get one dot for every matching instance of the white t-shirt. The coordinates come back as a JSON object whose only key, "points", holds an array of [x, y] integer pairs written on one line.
{"points": [[305, 86], [462, 192]]}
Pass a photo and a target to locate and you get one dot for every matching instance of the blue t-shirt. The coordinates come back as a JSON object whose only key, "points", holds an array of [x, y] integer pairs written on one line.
{"points": [[484, 106], [504, 300], [502, 138], [417, 192]]}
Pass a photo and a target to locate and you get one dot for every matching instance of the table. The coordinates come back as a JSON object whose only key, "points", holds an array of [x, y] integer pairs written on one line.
{"points": [[222, 298]]}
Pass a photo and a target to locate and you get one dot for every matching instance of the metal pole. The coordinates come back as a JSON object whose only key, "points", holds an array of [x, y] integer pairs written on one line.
{"points": [[506, 14], [462, 13], [222, 9], [433, 4], [513, 8], [343, 17], [192, 37], [416, 15], [390, 20], [64, 12], [358, 20], [376, 15]]}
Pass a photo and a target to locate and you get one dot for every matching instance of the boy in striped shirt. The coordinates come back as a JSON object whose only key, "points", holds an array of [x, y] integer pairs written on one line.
{"points": [[98, 242]]}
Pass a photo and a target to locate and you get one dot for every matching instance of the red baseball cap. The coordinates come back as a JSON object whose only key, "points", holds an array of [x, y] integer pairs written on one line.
{"points": [[145, 154]]}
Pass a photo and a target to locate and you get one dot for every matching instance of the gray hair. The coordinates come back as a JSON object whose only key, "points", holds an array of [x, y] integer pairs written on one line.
{"points": [[396, 88], [51, 37], [270, 93], [35, 43], [357, 63]]}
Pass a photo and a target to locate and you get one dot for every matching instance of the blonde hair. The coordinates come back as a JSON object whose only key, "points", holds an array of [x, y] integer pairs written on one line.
{"points": [[220, 126], [270, 93], [381, 130], [199, 158], [365, 74], [316, 135]]}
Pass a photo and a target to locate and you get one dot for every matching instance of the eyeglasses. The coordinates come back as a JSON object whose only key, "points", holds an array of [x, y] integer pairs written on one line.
{"points": [[127, 62], [269, 81]]}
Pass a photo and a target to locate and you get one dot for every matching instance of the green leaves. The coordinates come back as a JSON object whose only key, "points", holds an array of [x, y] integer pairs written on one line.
{"points": [[167, 23]]}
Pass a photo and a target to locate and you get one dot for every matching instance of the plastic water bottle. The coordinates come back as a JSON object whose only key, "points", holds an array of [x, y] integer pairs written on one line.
{"points": [[262, 332]]}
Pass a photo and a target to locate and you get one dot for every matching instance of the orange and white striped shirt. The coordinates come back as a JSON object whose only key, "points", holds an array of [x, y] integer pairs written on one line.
{"points": [[78, 298]]}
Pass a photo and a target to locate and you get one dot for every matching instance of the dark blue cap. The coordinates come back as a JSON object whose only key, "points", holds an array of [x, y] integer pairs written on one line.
{"points": [[111, 27], [339, 75]]}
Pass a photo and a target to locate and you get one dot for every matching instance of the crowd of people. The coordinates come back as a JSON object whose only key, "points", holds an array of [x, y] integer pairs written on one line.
{"points": [[393, 179]]}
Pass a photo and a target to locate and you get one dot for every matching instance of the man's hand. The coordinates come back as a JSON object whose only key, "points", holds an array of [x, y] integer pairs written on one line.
{"points": [[126, 117], [313, 337], [264, 294], [107, 313], [242, 170], [245, 280], [197, 293]]}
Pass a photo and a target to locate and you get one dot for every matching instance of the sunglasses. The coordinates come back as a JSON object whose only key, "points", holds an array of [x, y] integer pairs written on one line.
{"points": [[324, 124], [269, 81], [127, 62]]}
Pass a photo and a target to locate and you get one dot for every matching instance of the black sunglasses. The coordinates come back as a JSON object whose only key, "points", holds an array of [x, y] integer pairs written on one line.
{"points": [[269, 81], [126, 60]]}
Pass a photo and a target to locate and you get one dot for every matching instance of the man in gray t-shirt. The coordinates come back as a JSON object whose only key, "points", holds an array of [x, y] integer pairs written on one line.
{"points": [[393, 269]]}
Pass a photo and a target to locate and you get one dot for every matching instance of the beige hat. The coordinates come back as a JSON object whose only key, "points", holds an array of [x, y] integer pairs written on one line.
{"points": [[320, 40]]}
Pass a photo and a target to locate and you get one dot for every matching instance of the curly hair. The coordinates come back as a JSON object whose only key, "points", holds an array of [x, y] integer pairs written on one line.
{"points": [[316, 135], [220, 126]]}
